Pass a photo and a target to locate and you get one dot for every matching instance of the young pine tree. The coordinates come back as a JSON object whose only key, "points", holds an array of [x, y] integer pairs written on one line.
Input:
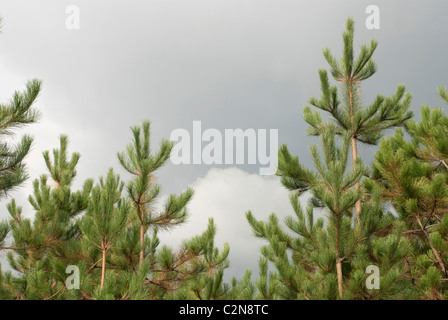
{"points": [[414, 177], [197, 263], [309, 265], [39, 245], [327, 259], [96, 230], [105, 218], [364, 124], [143, 191], [15, 114]]}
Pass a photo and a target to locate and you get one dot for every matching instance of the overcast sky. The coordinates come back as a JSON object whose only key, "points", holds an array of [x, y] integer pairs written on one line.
{"points": [[230, 64]]}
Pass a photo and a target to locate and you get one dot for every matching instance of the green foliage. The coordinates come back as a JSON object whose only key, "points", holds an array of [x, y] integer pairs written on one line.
{"points": [[443, 93], [98, 229], [413, 176], [306, 256], [365, 124], [143, 191], [41, 243], [384, 225], [13, 115], [328, 258]]}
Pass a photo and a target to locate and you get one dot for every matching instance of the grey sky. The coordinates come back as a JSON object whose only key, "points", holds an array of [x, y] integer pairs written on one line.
{"points": [[231, 64]]}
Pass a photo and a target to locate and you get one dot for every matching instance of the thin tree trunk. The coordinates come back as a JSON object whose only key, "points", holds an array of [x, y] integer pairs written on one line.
{"points": [[357, 184], [103, 269], [142, 239], [354, 147], [338, 259], [340, 279], [141, 212]]}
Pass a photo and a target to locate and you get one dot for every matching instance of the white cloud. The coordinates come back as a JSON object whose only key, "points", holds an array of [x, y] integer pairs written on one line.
{"points": [[226, 195]]}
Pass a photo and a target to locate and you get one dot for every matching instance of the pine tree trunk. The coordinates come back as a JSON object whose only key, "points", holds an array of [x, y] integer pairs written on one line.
{"points": [[142, 238], [103, 269], [354, 146], [357, 184], [338, 259], [339, 272]]}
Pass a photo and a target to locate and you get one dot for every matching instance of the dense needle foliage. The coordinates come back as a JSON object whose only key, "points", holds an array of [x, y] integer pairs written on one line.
{"points": [[377, 231]]}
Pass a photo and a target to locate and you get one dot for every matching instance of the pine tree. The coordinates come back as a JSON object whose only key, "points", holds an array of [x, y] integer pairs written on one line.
{"points": [[38, 245], [197, 256], [208, 284], [15, 114], [105, 218], [363, 124], [327, 259], [97, 230], [414, 177], [332, 189], [143, 190]]}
